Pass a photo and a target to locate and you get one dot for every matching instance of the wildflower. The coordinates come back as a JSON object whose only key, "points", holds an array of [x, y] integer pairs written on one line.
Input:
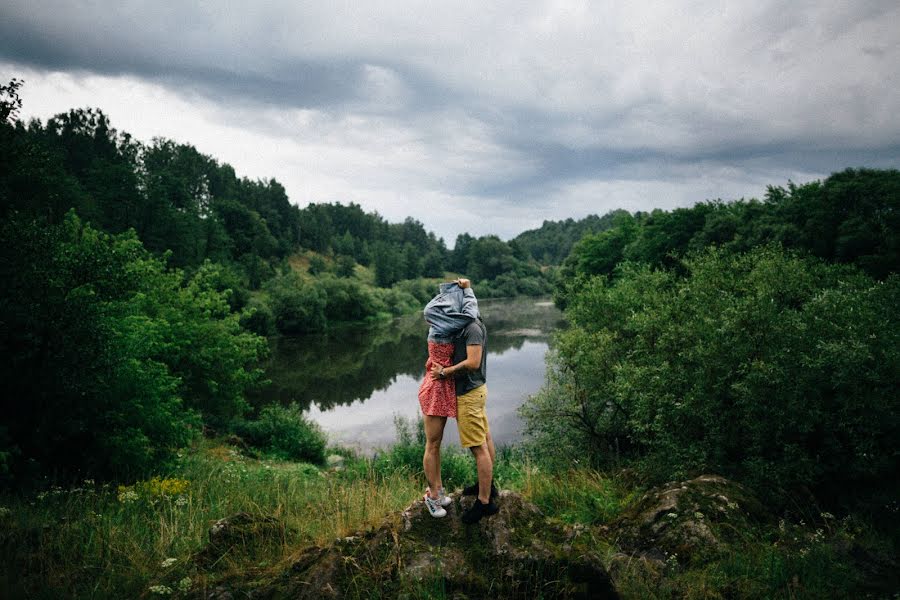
{"points": [[698, 515], [181, 501], [168, 563], [4, 512], [672, 515], [185, 584], [162, 590], [127, 495], [827, 515]]}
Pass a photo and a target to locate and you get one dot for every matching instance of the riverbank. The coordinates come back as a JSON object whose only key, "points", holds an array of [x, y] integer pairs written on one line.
{"points": [[140, 540]]}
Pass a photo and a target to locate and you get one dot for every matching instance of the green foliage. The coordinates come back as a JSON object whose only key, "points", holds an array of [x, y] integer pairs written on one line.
{"points": [[298, 306], [98, 330], [317, 265], [773, 369], [10, 102], [345, 266], [284, 432], [553, 241], [405, 456], [258, 317], [851, 217]]}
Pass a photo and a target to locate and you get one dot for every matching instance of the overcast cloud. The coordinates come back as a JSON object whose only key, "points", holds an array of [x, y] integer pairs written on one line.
{"points": [[483, 117]]}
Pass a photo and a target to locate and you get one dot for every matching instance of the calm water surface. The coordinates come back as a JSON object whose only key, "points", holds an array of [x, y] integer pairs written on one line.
{"points": [[354, 381]]}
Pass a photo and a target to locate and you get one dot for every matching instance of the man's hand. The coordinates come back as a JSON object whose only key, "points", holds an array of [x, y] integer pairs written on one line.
{"points": [[464, 283], [436, 372]]}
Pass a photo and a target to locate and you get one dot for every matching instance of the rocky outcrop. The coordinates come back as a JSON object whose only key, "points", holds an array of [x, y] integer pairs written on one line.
{"points": [[685, 520], [516, 553]]}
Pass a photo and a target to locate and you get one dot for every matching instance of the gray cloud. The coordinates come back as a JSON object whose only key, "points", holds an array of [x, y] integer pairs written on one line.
{"points": [[525, 108]]}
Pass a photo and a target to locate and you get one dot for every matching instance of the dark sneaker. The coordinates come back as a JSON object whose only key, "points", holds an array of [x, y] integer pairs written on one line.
{"points": [[472, 490], [478, 510]]}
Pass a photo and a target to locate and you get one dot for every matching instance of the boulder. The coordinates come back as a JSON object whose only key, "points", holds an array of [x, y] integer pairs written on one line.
{"points": [[335, 462], [687, 520]]}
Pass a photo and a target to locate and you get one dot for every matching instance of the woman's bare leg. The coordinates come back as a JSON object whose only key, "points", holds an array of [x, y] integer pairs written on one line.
{"points": [[431, 462]]}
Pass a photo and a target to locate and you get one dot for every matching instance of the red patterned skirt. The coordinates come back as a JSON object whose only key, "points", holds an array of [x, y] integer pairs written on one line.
{"points": [[437, 397]]}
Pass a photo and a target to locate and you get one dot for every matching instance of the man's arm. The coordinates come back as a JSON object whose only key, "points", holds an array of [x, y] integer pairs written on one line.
{"points": [[471, 363], [470, 302]]}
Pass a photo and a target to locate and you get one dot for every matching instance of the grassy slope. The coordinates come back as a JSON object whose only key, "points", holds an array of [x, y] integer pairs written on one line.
{"points": [[99, 541]]}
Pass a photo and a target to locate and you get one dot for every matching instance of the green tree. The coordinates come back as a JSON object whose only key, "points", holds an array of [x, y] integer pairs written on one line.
{"points": [[99, 330], [768, 367]]}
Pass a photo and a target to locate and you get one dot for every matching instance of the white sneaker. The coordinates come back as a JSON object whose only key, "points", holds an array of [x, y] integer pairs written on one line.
{"points": [[434, 506], [443, 498]]}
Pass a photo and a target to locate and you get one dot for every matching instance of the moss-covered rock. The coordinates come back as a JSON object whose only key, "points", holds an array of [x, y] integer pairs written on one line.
{"points": [[516, 553], [688, 520]]}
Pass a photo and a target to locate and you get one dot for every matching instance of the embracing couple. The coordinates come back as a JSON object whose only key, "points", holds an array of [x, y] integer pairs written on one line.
{"points": [[455, 385]]}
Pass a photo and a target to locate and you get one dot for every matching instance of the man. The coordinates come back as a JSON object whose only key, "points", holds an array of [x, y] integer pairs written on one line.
{"points": [[469, 372]]}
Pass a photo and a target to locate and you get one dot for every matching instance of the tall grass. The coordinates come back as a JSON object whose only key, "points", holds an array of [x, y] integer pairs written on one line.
{"points": [[99, 541]]}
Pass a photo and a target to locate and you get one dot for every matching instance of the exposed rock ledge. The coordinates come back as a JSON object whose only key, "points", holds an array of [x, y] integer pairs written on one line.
{"points": [[517, 553]]}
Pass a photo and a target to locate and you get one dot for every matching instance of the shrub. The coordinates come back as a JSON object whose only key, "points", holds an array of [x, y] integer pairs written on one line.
{"points": [[773, 369], [112, 356], [284, 432], [258, 317], [298, 307]]}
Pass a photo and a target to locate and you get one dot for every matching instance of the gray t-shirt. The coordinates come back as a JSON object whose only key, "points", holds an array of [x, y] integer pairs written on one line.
{"points": [[474, 334]]}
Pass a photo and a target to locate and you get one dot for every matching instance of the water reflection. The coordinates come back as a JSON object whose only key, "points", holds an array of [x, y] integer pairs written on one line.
{"points": [[354, 380]]}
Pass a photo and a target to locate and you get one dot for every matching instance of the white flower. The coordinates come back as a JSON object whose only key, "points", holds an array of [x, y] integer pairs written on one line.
{"points": [[168, 563], [128, 496], [185, 584], [162, 590]]}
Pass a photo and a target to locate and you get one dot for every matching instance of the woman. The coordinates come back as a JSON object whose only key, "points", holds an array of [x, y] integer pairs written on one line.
{"points": [[448, 313]]}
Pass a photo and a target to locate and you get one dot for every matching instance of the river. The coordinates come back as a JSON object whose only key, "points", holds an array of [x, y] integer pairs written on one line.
{"points": [[353, 381]]}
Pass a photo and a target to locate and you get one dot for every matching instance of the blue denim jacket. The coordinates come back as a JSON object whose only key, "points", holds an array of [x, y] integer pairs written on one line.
{"points": [[451, 310]]}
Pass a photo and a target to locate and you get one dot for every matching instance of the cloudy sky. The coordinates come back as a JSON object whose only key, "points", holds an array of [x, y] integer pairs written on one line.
{"points": [[486, 117]]}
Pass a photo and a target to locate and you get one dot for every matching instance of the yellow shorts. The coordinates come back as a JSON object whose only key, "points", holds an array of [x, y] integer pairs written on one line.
{"points": [[471, 419]]}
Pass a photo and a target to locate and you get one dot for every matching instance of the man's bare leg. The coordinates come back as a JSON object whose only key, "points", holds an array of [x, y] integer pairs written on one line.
{"points": [[485, 465], [490, 447], [431, 461]]}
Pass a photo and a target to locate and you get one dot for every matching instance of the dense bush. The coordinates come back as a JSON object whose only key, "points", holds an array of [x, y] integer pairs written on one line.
{"points": [[774, 369], [110, 358], [284, 432], [258, 317], [298, 306]]}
